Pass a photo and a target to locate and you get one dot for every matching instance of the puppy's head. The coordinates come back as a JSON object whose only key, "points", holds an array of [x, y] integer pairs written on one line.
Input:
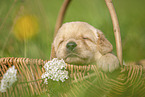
{"points": [[80, 43]]}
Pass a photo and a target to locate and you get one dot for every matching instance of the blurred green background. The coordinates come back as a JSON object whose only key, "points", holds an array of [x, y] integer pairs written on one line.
{"points": [[131, 17]]}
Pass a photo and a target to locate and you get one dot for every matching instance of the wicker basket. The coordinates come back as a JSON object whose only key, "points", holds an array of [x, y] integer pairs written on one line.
{"points": [[83, 81]]}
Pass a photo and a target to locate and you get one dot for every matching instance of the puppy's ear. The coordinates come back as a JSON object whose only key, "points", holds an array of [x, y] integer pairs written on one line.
{"points": [[53, 53], [103, 44]]}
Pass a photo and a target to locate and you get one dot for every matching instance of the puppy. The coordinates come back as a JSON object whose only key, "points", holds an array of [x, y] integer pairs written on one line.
{"points": [[80, 43]]}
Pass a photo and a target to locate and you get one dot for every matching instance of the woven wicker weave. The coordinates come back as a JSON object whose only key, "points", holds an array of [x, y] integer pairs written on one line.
{"points": [[84, 80]]}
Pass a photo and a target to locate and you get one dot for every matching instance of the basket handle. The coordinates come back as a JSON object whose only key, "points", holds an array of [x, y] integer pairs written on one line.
{"points": [[59, 23], [116, 30], [61, 14]]}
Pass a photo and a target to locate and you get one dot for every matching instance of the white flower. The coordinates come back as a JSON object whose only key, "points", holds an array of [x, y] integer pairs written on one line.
{"points": [[8, 79], [55, 70]]}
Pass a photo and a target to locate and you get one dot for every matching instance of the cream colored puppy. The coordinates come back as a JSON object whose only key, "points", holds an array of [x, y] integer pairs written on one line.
{"points": [[80, 43]]}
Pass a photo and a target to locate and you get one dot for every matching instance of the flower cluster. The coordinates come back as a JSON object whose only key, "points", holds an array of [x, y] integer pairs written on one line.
{"points": [[8, 79], [55, 70]]}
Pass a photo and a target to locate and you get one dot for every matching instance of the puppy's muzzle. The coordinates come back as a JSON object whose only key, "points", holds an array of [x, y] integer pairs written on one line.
{"points": [[71, 46]]}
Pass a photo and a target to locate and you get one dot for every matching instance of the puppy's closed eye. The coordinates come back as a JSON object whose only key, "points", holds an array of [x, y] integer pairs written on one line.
{"points": [[86, 38], [60, 41]]}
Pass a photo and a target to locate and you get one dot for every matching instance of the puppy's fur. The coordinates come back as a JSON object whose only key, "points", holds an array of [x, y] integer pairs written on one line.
{"points": [[91, 46]]}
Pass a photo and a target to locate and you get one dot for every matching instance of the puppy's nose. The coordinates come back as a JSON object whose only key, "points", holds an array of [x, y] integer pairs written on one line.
{"points": [[71, 45]]}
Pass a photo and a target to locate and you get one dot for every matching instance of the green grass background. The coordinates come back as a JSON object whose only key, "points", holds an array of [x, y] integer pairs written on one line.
{"points": [[131, 15]]}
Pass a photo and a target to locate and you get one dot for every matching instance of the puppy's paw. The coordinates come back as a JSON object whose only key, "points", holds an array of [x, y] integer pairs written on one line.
{"points": [[108, 62]]}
